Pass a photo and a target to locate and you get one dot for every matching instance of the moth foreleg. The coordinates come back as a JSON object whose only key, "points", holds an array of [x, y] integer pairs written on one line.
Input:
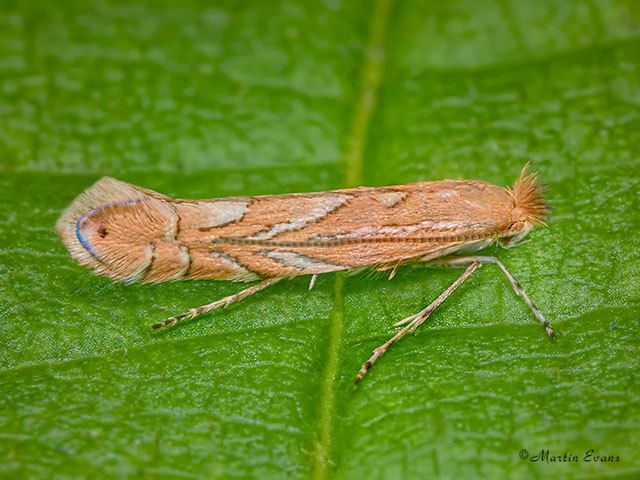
{"points": [[223, 302], [415, 321], [520, 292]]}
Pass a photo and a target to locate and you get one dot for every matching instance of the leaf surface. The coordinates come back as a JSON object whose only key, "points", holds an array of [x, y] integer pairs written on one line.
{"points": [[199, 101]]}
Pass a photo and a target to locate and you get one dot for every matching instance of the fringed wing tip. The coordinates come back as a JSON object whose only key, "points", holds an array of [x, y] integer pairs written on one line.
{"points": [[105, 191], [67, 223], [528, 197]]}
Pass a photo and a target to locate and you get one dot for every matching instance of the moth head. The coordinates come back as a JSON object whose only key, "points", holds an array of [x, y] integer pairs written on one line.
{"points": [[529, 208]]}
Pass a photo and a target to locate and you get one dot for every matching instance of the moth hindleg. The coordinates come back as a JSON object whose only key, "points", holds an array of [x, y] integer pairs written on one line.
{"points": [[223, 302]]}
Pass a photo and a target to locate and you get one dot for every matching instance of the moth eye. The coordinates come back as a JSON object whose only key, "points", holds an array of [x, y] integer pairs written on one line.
{"points": [[102, 232]]}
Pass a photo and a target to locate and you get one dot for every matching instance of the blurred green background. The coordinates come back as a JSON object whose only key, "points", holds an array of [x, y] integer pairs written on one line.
{"points": [[198, 99]]}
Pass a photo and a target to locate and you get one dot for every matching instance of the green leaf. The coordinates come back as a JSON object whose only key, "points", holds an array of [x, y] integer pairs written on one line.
{"points": [[244, 98]]}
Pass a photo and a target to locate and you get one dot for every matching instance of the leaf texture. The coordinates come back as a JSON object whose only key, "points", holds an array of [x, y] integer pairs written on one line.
{"points": [[251, 98]]}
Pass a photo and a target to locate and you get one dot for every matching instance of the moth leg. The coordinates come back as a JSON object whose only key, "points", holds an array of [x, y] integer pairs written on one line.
{"points": [[457, 262], [393, 272], [520, 292], [223, 302], [415, 321], [463, 261], [511, 244]]}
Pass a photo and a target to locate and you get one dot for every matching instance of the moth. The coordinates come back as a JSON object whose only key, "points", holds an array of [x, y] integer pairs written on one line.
{"points": [[133, 234]]}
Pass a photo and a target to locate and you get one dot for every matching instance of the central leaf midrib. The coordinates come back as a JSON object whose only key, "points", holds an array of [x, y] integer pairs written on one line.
{"points": [[356, 141]]}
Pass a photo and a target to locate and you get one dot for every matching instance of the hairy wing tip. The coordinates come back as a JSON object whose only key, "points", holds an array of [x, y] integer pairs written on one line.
{"points": [[105, 191]]}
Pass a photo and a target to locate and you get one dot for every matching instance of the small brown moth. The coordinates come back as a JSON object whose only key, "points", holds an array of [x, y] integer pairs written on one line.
{"points": [[133, 234]]}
